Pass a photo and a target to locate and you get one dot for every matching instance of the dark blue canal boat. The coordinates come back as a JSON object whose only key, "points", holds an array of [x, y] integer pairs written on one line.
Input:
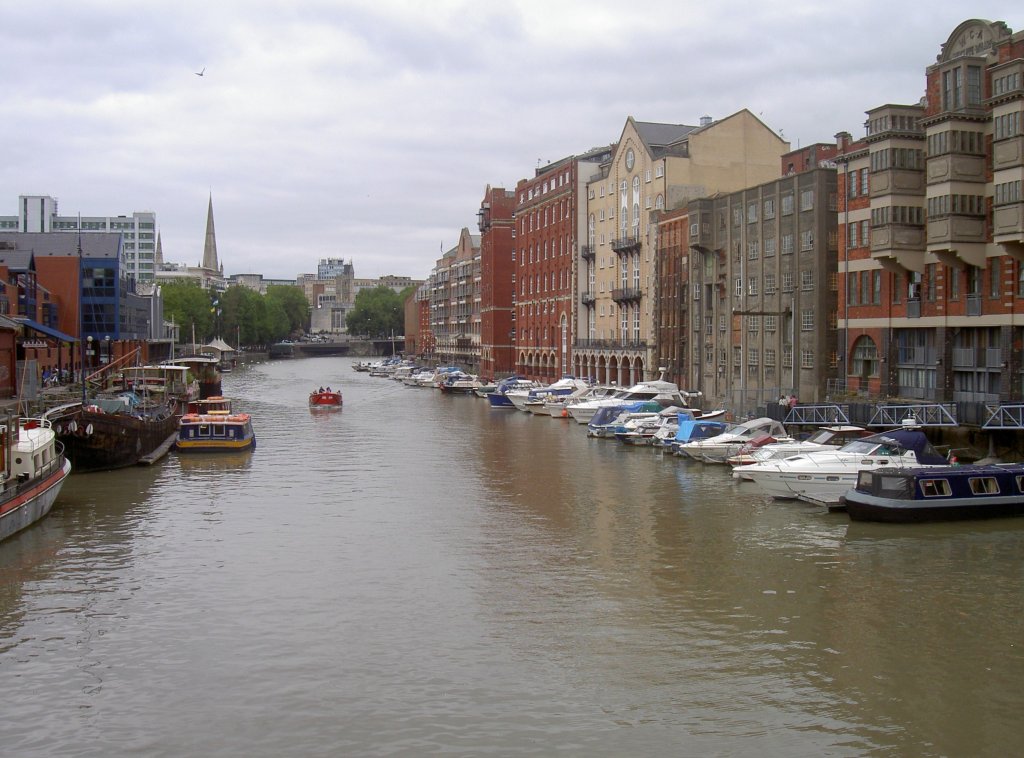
{"points": [[937, 493]]}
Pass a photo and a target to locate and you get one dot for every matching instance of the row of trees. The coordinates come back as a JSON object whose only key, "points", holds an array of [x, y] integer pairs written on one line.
{"points": [[254, 319], [237, 313]]}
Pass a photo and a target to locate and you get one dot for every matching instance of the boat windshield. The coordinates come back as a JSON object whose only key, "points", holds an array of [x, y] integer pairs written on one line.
{"points": [[871, 447]]}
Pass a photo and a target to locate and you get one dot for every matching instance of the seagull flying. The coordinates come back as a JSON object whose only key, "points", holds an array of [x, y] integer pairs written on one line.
{"points": [[200, 73]]}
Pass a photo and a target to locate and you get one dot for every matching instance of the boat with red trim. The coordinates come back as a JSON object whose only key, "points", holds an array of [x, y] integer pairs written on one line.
{"points": [[32, 471], [325, 399], [212, 426]]}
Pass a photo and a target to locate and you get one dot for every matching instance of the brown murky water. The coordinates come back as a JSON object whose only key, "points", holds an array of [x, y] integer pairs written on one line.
{"points": [[419, 574]]}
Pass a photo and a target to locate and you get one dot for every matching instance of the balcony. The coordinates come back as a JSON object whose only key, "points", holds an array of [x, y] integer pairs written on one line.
{"points": [[587, 252], [626, 295], [974, 305], [914, 307], [623, 245], [610, 345], [587, 298]]}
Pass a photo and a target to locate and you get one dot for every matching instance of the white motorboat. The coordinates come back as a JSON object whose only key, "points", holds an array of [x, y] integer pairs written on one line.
{"points": [[520, 396], [664, 393], [825, 476], [825, 438], [718, 448]]}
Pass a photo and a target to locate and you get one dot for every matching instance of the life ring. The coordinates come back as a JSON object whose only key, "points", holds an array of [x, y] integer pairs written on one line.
{"points": [[73, 427], [88, 430]]}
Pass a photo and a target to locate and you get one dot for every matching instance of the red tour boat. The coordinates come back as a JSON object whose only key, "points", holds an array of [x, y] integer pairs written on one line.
{"points": [[322, 398]]}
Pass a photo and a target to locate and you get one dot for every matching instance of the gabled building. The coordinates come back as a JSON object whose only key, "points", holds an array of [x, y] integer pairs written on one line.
{"points": [[653, 167]]}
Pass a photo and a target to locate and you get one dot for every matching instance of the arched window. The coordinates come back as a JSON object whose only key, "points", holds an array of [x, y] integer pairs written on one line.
{"points": [[864, 361]]}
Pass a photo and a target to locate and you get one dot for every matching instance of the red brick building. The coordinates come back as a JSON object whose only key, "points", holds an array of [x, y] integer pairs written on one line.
{"points": [[497, 256], [931, 263]]}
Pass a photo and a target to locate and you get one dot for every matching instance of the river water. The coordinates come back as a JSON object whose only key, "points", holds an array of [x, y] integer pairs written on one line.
{"points": [[418, 574]]}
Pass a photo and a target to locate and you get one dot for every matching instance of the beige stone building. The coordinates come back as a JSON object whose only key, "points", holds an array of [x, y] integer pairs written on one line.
{"points": [[653, 167]]}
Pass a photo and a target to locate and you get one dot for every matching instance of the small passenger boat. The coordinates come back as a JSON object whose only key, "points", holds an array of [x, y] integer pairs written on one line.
{"points": [[32, 471], [325, 399], [211, 426], [940, 493]]}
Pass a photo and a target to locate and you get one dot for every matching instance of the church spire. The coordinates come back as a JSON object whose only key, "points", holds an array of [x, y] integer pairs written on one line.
{"points": [[158, 260], [210, 248]]}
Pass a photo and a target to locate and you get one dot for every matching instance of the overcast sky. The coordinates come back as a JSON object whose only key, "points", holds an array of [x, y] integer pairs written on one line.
{"points": [[369, 130]]}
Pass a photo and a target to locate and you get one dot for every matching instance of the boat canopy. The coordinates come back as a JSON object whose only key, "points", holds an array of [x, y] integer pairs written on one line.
{"points": [[907, 439]]}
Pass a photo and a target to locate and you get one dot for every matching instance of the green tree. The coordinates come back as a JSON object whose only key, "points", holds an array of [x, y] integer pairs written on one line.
{"points": [[244, 311], [289, 303], [376, 313], [191, 307]]}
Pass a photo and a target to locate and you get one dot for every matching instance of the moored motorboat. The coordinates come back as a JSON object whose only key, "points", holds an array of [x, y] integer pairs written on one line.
{"points": [[212, 426], [825, 438], [825, 476], [32, 471], [943, 493], [717, 449]]}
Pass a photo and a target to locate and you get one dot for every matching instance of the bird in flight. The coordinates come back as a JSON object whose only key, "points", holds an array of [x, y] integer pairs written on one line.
{"points": [[200, 73]]}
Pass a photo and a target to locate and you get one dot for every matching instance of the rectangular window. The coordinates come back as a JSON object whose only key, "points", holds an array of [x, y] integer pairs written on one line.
{"points": [[769, 247], [807, 320], [770, 323], [807, 200], [769, 284], [769, 208], [807, 240], [787, 281], [993, 278], [806, 279], [753, 250], [806, 359], [787, 244], [751, 213], [787, 205], [752, 286], [852, 179]]}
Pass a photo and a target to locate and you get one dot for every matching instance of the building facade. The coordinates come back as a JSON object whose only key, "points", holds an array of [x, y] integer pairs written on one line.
{"points": [[39, 213], [495, 219], [931, 219], [757, 294], [652, 168], [455, 304], [550, 220]]}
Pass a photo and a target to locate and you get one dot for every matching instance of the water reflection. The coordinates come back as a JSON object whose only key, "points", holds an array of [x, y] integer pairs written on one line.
{"points": [[419, 573]]}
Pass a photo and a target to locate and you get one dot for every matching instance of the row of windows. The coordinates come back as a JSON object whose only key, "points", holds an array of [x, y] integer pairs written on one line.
{"points": [[754, 355], [897, 157], [863, 185], [898, 122], [956, 141], [1007, 193], [964, 205], [954, 95], [1002, 85], [541, 218], [542, 189], [1006, 126], [538, 252], [897, 214]]}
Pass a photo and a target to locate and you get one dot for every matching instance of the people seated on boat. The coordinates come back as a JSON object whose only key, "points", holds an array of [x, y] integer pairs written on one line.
{"points": [[321, 389], [328, 388]]}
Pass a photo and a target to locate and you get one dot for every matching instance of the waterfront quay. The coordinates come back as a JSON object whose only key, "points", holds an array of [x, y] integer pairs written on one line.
{"points": [[418, 574]]}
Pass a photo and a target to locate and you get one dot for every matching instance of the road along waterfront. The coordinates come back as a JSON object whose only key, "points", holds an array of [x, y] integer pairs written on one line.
{"points": [[419, 574]]}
